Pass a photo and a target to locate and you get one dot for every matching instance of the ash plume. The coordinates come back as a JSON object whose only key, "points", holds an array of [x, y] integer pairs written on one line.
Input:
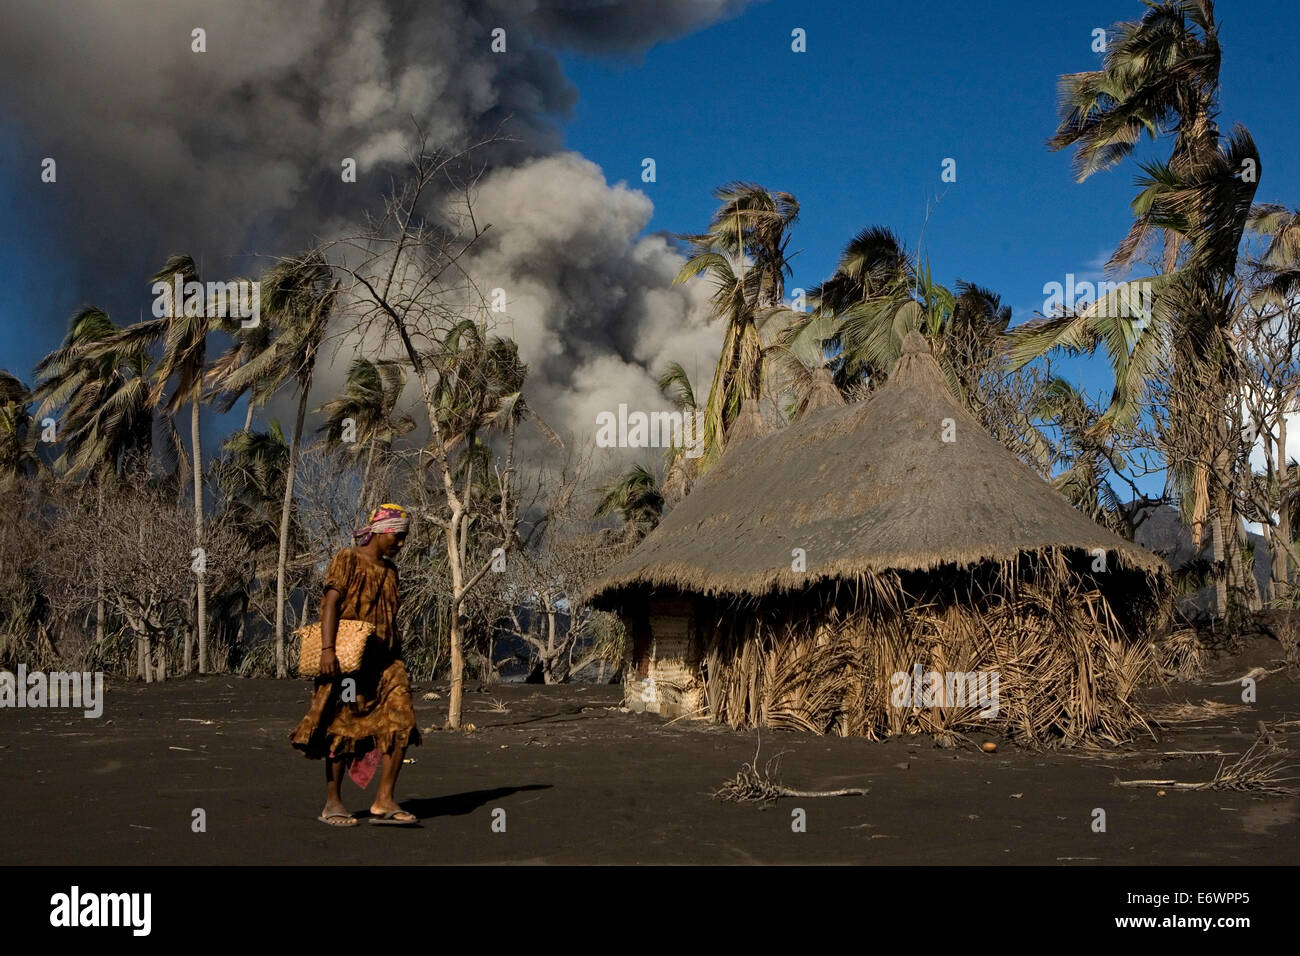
{"points": [[235, 153]]}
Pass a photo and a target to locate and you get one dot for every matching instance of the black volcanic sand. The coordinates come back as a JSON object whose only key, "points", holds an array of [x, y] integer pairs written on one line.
{"points": [[582, 782]]}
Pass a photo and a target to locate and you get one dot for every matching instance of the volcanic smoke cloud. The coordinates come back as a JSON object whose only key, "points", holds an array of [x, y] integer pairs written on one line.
{"points": [[237, 151]]}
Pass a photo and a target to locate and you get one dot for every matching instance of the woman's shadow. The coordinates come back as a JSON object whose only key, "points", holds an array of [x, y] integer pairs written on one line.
{"points": [[460, 804]]}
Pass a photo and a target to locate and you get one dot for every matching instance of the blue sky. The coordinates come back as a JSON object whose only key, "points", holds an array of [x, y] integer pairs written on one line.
{"points": [[858, 126]]}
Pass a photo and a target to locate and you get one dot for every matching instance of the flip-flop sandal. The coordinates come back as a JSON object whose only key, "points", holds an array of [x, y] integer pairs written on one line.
{"points": [[328, 818], [391, 819]]}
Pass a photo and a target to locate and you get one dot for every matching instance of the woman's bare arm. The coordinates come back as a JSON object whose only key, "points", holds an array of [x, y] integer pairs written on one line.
{"points": [[329, 632]]}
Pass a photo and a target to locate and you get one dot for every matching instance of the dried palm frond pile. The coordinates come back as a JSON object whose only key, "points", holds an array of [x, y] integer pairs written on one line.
{"points": [[1055, 663], [1261, 769], [1182, 655], [1187, 712]]}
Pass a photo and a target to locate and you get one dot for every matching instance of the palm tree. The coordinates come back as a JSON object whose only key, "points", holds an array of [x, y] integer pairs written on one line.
{"points": [[250, 476], [852, 336], [369, 398], [638, 500], [965, 329], [479, 386], [297, 298], [1279, 267], [100, 388], [679, 467], [751, 223], [1161, 76], [874, 264], [249, 343], [16, 445], [249, 483], [183, 337]]}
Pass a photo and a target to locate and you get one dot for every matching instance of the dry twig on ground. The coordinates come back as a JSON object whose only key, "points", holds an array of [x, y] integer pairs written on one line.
{"points": [[752, 785]]}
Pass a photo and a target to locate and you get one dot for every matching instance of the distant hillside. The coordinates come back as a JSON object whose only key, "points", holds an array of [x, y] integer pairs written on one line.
{"points": [[1163, 532]]}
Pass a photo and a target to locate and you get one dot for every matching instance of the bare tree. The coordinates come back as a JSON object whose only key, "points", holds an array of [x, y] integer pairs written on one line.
{"points": [[1269, 348], [563, 553], [142, 537], [411, 292]]}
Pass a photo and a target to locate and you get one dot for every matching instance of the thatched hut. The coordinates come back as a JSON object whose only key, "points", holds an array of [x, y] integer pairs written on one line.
{"points": [[876, 569]]}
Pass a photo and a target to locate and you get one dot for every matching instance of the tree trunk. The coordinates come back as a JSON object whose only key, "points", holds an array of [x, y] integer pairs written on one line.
{"points": [[1241, 577], [1220, 565], [1249, 583], [202, 622], [457, 671], [1282, 534], [457, 625], [286, 509], [363, 504], [549, 672], [248, 415], [100, 606]]}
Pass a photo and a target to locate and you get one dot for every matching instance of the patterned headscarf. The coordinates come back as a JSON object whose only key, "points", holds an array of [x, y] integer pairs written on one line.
{"points": [[386, 519]]}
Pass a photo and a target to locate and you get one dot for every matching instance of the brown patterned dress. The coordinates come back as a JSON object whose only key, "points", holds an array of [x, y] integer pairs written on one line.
{"points": [[382, 715]]}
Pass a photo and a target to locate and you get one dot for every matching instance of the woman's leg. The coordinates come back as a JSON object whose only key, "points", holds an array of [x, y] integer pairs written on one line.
{"points": [[333, 800], [385, 803]]}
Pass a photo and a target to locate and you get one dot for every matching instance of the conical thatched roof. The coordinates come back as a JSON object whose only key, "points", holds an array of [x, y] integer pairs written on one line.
{"points": [[869, 487]]}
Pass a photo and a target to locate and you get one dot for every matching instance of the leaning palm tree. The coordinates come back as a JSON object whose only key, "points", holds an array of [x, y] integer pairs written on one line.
{"points": [[1161, 77], [751, 224], [369, 400], [250, 342], [1181, 340], [297, 298], [635, 496], [100, 389], [1160, 74]]}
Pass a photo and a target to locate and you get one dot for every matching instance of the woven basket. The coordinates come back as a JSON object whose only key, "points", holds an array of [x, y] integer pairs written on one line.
{"points": [[349, 646]]}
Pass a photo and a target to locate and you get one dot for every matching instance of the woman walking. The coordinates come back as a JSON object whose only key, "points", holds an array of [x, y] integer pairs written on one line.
{"points": [[353, 725]]}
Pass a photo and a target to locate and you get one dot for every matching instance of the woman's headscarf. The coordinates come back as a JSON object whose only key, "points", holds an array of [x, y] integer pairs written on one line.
{"points": [[386, 519]]}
